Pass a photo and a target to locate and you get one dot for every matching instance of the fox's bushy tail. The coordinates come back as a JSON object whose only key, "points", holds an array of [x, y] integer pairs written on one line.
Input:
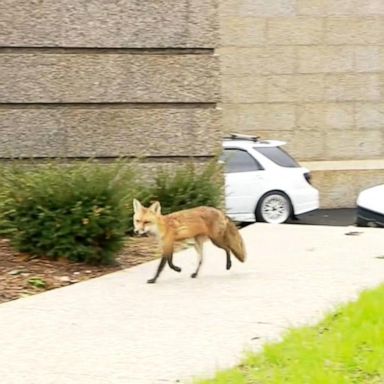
{"points": [[234, 241]]}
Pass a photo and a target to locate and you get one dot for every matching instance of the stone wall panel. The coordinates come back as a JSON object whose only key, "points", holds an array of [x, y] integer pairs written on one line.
{"points": [[325, 59], [257, 60], [107, 78], [353, 87], [115, 23], [258, 117], [108, 132], [354, 30], [258, 8], [243, 32], [295, 31]]}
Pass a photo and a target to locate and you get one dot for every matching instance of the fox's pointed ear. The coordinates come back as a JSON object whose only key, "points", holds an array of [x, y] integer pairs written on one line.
{"points": [[156, 208], [137, 207]]}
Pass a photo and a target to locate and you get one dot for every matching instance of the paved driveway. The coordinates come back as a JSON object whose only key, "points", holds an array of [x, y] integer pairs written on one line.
{"points": [[335, 217], [119, 330]]}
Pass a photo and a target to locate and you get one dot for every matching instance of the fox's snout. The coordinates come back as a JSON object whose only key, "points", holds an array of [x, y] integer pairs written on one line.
{"points": [[137, 232], [140, 232]]}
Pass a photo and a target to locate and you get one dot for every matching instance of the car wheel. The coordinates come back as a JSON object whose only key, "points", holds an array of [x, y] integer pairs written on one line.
{"points": [[274, 208]]}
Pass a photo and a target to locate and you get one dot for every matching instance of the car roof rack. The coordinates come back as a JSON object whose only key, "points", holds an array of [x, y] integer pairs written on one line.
{"points": [[238, 136]]}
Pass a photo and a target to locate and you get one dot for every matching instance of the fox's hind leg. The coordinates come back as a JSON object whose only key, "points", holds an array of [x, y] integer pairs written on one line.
{"points": [[199, 242], [221, 244], [229, 262]]}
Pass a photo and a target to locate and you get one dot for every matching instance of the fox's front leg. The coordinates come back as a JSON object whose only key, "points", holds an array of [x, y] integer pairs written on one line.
{"points": [[159, 269], [168, 253], [167, 248], [171, 265]]}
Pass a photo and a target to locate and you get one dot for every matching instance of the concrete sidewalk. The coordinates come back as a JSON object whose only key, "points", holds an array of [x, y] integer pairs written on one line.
{"points": [[119, 330]]}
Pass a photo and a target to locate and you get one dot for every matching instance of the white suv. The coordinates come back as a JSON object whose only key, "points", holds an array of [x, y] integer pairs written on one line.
{"points": [[263, 182]]}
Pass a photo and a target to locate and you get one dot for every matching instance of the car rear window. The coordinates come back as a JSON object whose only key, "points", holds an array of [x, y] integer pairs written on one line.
{"points": [[237, 160], [278, 156]]}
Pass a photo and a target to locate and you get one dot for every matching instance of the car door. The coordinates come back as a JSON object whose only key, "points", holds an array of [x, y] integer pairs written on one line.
{"points": [[243, 183]]}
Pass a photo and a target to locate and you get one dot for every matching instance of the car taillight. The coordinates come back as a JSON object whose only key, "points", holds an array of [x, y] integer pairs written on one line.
{"points": [[308, 177]]}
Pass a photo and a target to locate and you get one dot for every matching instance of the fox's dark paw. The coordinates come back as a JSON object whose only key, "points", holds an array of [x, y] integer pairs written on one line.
{"points": [[175, 268], [229, 265], [194, 275], [151, 281]]}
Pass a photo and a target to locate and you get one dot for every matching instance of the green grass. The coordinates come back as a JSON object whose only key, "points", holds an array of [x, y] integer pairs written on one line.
{"points": [[347, 347]]}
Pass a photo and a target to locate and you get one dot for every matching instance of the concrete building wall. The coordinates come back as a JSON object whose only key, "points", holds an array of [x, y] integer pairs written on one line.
{"points": [[310, 72], [82, 78]]}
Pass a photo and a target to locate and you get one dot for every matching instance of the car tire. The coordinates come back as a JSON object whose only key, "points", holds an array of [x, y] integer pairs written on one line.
{"points": [[274, 207]]}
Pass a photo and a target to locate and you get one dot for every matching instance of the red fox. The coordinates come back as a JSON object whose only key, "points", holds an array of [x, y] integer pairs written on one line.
{"points": [[198, 223]]}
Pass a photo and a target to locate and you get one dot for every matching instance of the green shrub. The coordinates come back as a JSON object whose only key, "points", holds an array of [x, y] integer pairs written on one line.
{"points": [[6, 228], [187, 187], [83, 211], [78, 212]]}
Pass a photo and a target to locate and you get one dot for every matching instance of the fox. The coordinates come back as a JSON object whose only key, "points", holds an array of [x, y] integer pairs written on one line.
{"points": [[198, 223]]}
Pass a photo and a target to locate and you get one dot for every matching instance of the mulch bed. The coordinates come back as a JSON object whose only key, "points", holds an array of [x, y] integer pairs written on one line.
{"points": [[21, 275]]}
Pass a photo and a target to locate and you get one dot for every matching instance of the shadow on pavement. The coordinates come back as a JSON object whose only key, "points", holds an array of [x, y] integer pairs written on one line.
{"points": [[336, 217]]}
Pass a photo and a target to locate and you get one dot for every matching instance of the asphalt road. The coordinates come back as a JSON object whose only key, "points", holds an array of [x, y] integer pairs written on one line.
{"points": [[336, 217]]}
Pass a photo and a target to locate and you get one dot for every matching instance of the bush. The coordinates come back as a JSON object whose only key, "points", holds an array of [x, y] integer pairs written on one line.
{"points": [[83, 211], [78, 212], [188, 187]]}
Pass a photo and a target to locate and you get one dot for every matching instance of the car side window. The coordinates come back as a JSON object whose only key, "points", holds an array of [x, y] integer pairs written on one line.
{"points": [[278, 156], [237, 160]]}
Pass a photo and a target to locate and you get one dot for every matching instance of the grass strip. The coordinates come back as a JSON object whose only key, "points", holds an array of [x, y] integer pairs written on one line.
{"points": [[347, 347]]}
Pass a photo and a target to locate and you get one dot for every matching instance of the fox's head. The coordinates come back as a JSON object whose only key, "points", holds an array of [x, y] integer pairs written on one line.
{"points": [[145, 219]]}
